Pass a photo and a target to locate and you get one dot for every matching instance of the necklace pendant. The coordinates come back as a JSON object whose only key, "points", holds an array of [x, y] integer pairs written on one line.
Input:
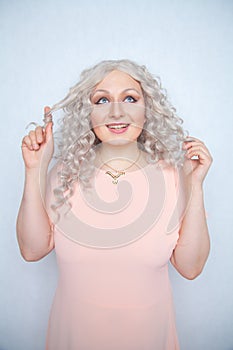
{"points": [[115, 177]]}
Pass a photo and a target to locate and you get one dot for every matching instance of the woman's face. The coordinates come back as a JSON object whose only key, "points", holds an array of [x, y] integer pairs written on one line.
{"points": [[118, 109]]}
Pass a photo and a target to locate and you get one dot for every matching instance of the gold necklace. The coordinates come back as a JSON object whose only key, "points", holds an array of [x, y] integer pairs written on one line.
{"points": [[119, 172]]}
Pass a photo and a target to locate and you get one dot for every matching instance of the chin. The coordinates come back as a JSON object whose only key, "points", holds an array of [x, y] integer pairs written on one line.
{"points": [[118, 141]]}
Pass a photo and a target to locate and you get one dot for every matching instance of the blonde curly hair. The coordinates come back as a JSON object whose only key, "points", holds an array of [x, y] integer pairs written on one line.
{"points": [[161, 137]]}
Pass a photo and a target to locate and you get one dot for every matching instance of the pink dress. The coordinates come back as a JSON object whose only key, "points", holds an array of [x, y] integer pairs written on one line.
{"points": [[113, 289]]}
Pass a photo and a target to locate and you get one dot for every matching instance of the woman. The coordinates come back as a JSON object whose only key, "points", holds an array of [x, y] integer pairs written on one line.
{"points": [[121, 201]]}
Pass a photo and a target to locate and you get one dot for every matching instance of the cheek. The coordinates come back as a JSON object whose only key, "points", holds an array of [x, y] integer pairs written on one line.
{"points": [[137, 128], [137, 113], [96, 121], [139, 119], [98, 125], [142, 120]]}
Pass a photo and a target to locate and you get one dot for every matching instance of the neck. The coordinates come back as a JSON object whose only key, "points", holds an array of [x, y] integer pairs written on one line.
{"points": [[117, 156]]}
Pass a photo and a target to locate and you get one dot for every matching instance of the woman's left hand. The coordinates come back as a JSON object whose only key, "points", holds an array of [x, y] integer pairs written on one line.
{"points": [[196, 169]]}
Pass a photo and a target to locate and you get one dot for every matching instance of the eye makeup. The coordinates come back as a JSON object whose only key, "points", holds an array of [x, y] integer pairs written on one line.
{"points": [[101, 93]]}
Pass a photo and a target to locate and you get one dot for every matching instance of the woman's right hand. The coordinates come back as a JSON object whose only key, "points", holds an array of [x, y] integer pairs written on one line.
{"points": [[38, 145]]}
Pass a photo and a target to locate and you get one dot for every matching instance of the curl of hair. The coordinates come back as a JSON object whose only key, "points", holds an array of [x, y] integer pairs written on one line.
{"points": [[161, 138]]}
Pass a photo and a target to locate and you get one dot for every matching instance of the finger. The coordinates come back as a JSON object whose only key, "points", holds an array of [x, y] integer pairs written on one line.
{"points": [[192, 138], [48, 131], [191, 144], [26, 142], [199, 146], [34, 143], [47, 116], [39, 134], [197, 151], [47, 109]]}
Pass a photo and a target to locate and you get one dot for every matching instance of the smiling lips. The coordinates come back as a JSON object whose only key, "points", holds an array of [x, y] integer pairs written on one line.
{"points": [[117, 128]]}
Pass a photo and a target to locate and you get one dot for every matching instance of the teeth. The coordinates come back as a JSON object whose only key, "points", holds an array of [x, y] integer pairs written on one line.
{"points": [[120, 126]]}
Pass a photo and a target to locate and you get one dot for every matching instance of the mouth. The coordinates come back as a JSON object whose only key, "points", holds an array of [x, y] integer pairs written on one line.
{"points": [[117, 128]]}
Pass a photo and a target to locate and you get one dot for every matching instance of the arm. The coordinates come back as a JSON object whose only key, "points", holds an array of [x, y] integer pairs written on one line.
{"points": [[192, 249], [34, 229]]}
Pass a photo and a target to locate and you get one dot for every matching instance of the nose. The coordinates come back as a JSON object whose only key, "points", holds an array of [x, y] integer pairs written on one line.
{"points": [[116, 110]]}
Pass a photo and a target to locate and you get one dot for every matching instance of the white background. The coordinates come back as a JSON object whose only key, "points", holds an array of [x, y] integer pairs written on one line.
{"points": [[44, 46]]}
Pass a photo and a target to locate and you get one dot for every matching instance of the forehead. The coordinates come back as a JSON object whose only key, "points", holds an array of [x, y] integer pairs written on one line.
{"points": [[117, 78]]}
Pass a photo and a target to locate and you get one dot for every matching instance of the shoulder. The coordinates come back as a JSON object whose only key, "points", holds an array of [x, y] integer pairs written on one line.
{"points": [[174, 172]]}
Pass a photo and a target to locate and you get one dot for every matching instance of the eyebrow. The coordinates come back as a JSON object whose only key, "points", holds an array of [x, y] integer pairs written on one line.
{"points": [[108, 92]]}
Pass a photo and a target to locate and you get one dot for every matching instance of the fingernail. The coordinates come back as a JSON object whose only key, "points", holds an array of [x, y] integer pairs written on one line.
{"points": [[35, 146], [189, 140]]}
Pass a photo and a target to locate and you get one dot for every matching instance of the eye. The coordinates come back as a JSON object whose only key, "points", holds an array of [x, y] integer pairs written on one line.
{"points": [[130, 99], [102, 100]]}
